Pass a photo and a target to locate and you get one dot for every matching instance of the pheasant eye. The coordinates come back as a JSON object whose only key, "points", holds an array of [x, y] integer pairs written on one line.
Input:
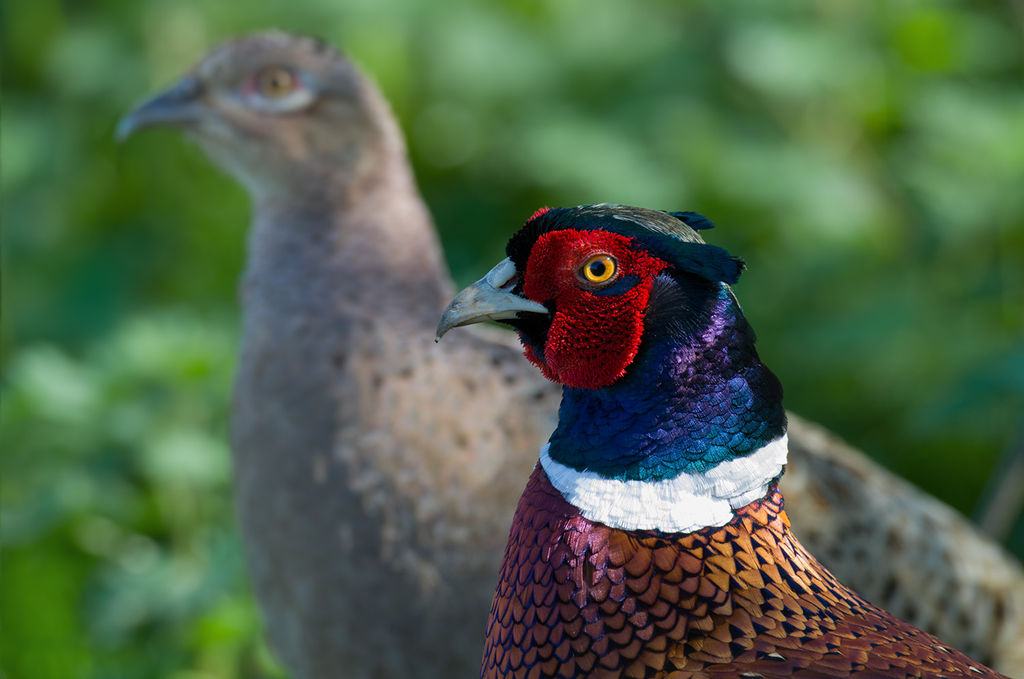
{"points": [[598, 269], [275, 82]]}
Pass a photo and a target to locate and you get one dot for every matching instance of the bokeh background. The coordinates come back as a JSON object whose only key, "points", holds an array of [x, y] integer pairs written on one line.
{"points": [[867, 159]]}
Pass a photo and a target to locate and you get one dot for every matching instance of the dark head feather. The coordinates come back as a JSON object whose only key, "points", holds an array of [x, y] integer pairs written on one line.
{"points": [[668, 235], [694, 220]]}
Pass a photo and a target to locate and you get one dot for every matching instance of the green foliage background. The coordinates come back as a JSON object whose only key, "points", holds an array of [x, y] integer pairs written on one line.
{"points": [[867, 159]]}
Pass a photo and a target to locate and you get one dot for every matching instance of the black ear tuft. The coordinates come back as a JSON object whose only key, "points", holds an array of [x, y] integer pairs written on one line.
{"points": [[730, 268], [716, 264], [694, 220], [707, 261]]}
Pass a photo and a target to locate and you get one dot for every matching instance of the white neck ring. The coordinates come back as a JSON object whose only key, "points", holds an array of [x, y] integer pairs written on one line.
{"points": [[682, 504]]}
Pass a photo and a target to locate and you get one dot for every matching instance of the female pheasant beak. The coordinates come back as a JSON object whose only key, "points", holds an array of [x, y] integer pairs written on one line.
{"points": [[177, 106], [489, 299]]}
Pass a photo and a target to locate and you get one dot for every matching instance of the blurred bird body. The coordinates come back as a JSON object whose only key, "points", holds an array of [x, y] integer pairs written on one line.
{"points": [[651, 540], [371, 509], [375, 472]]}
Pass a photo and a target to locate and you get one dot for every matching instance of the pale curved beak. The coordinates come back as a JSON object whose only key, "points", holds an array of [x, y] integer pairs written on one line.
{"points": [[177, 106], [489, 299]]}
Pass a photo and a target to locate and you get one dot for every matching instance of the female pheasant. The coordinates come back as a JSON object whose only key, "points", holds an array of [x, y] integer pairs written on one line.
{"points": [[651, 539]]}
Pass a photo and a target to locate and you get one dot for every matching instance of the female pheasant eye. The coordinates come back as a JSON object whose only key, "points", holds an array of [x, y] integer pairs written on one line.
{"points": [[275, 82], [598, 269]]}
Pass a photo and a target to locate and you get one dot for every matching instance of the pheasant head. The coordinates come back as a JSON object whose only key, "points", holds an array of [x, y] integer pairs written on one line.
{"points": [[633, 314], [279, 112]]}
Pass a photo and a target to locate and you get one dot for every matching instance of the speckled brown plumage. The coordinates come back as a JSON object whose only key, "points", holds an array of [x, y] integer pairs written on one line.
{"points": [[904, 550], [577, 598]]}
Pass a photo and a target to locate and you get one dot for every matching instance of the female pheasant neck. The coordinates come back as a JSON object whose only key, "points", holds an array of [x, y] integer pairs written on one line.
{"points": [[694, 430], [324, 245]]}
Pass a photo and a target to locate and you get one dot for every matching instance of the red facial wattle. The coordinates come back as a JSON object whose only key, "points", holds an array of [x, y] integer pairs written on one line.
{"points": [[595, 330]]}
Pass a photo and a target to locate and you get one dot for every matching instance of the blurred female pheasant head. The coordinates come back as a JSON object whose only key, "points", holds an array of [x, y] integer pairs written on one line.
{"points": [[277, 111]]}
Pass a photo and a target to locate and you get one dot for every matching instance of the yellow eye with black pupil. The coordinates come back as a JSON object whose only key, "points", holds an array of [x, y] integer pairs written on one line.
{"points": [[275, 82], [598, 269]]}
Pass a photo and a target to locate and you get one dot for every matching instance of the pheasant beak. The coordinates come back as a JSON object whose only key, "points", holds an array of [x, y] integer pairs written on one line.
{"points": [[489, 299], [177, 106]]}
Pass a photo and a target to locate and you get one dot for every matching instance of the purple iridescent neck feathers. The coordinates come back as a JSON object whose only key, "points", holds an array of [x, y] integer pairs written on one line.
{"points": [[696, 395]]}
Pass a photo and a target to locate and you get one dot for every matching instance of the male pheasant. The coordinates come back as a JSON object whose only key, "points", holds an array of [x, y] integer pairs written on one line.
{"points": [[651, 539], [375, 471]]}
